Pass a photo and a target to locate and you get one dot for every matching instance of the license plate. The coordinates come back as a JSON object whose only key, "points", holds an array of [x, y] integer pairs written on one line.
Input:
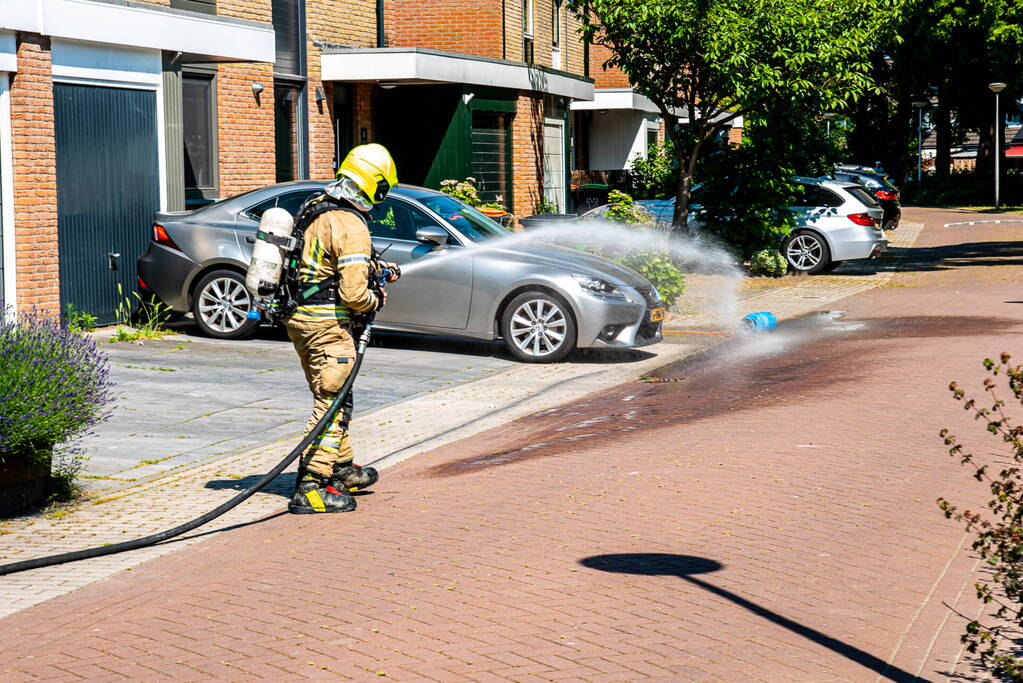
{"points": [[658, 314]]}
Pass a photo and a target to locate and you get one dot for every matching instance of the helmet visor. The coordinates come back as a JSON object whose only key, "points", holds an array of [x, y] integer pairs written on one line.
{"points": [[383, 187]]}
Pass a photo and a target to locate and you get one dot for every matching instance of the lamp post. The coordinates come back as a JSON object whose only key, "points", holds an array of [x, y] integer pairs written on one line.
{"points": [[827, 122], [997, 88], [920, 104]]}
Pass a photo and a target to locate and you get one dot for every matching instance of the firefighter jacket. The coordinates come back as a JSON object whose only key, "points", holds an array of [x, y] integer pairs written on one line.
{"points": [[337, 243]]}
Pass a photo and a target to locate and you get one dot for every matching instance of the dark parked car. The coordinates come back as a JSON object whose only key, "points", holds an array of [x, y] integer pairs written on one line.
{"points": [[878, 185]]}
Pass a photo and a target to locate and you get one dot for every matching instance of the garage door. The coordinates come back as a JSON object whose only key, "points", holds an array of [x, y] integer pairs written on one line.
{"points": [[554, 162], [107, 190]]}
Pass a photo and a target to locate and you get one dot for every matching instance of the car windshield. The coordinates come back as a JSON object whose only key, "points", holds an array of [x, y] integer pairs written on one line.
{"points": [[464, 218]]}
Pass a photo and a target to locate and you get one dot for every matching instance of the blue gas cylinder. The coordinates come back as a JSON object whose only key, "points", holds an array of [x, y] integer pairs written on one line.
{"points": [[761, 321]]}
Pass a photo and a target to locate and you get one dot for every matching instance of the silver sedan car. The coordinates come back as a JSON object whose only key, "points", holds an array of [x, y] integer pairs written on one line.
{"points": [[543, 300]]}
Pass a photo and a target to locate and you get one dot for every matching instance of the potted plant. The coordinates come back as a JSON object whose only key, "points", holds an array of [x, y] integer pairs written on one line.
{"points": [[54, 386]]}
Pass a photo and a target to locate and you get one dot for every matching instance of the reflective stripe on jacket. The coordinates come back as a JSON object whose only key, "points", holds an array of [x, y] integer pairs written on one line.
{"points": [[337, 243]]}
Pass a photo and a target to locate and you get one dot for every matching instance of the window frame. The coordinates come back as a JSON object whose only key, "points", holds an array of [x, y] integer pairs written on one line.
{"points": [[555, 24], [390, 202], [210, 75], [247, 212], [528, 19]]}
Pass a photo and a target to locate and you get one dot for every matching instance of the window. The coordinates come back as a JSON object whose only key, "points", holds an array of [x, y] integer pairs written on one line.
{"points": [[464, 218], [398, 220], [813, 195], [651, 138], [290, 202], [289, 36], [864, 196], [556, 23], [527, 18], [199, 133], [205, 6], [286, 126]]}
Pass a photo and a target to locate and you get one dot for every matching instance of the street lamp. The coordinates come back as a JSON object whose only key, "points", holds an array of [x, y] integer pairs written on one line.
{"points": [[997, 88], [920, 104]]}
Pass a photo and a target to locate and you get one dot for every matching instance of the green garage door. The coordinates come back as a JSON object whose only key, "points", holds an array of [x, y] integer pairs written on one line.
{"points": [[107, 190]]}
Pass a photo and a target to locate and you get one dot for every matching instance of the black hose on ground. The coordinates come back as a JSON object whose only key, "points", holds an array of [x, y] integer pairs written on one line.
{"points": [[146, 541]]}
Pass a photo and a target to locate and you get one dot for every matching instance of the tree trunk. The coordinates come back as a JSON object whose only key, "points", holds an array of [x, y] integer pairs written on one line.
{"points": [[680, 221], [942, 139], [986, 150]]}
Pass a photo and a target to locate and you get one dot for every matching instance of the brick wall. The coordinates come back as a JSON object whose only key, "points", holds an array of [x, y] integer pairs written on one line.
{"points": [[35, 179], [245, 127], [253, 10], [527, 153], [464, 26], [336, 22], [610, 78]]}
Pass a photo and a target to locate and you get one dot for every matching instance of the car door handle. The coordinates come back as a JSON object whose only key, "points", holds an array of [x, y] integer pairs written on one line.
{"points": [[250, 239], [112, 259]]}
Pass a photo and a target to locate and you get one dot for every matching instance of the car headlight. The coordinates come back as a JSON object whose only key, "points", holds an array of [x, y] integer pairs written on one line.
{"points": [[595, 285]]}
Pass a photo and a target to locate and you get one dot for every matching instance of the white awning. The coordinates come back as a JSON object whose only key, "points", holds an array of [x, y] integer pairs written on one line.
{"points": [[198, 36], [617, 98], [620, 99], [414, 65]]}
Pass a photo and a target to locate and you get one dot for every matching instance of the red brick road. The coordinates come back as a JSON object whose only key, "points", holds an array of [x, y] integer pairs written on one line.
{"points": [[771, 519]]}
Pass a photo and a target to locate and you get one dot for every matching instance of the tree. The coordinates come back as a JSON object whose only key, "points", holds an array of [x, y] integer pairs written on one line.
{"points": [[746, 189], [944, 51], [705, 63]]}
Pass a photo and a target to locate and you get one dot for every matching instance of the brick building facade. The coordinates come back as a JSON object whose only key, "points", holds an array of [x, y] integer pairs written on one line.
{"points": [[205, 99]]}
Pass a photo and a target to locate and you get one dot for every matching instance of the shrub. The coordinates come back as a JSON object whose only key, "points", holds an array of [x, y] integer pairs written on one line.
{"points": [[659, 268], [998, 535], [54, 384], [655, 176], [655, 264], [622, 210], [768, 262]]}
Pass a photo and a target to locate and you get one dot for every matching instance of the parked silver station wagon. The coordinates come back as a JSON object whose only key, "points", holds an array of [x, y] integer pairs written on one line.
{"points": [[543, 300], [836, 221]]}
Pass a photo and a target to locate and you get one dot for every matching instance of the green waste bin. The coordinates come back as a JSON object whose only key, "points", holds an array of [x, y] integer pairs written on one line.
{"points": [[589, 196]]}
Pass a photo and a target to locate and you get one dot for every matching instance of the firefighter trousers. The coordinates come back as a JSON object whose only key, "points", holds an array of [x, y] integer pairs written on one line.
{"points": [[327, 352]]}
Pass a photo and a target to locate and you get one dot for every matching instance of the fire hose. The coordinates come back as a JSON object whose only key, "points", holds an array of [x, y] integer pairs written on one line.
{"points": [[146, 541]]}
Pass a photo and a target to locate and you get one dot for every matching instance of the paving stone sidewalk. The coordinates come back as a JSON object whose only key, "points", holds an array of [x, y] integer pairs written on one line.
{"points": [[386, 436], [771, 520]]}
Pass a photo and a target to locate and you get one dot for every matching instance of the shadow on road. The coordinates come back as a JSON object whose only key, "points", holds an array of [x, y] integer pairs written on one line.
{"points": [[686, 567], [944, 257], [283, 485]]}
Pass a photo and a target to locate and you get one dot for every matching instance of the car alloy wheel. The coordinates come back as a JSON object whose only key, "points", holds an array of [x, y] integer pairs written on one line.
{"points": [[221, 304], [807, 252], [538, 328]]}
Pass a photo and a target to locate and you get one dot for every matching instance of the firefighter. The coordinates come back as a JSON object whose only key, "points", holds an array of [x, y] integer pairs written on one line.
{"points": [[338, 248]]}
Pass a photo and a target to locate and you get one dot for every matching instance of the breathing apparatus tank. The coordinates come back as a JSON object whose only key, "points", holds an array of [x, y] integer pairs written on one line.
{"points": [[273, 240]]}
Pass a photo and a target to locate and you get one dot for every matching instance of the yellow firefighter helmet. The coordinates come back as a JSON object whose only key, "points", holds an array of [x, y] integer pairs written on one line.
{"points": [[372, 169]]}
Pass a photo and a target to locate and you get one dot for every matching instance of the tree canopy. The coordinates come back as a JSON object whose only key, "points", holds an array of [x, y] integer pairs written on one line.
{"points": [[705, 63]]}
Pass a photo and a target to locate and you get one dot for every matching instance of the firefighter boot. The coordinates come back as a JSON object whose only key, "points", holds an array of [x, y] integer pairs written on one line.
{"points": [[314, 493], [351, 477]]}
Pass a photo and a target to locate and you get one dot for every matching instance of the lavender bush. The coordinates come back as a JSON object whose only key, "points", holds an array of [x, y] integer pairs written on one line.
{"points": [[54, 384]]}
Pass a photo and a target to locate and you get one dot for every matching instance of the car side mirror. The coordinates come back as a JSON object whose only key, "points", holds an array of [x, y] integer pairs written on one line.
{"points": [[432, 234]]}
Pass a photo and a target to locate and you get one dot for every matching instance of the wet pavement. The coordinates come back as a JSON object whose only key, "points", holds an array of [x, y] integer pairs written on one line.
{"points": [[806, 358]]}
